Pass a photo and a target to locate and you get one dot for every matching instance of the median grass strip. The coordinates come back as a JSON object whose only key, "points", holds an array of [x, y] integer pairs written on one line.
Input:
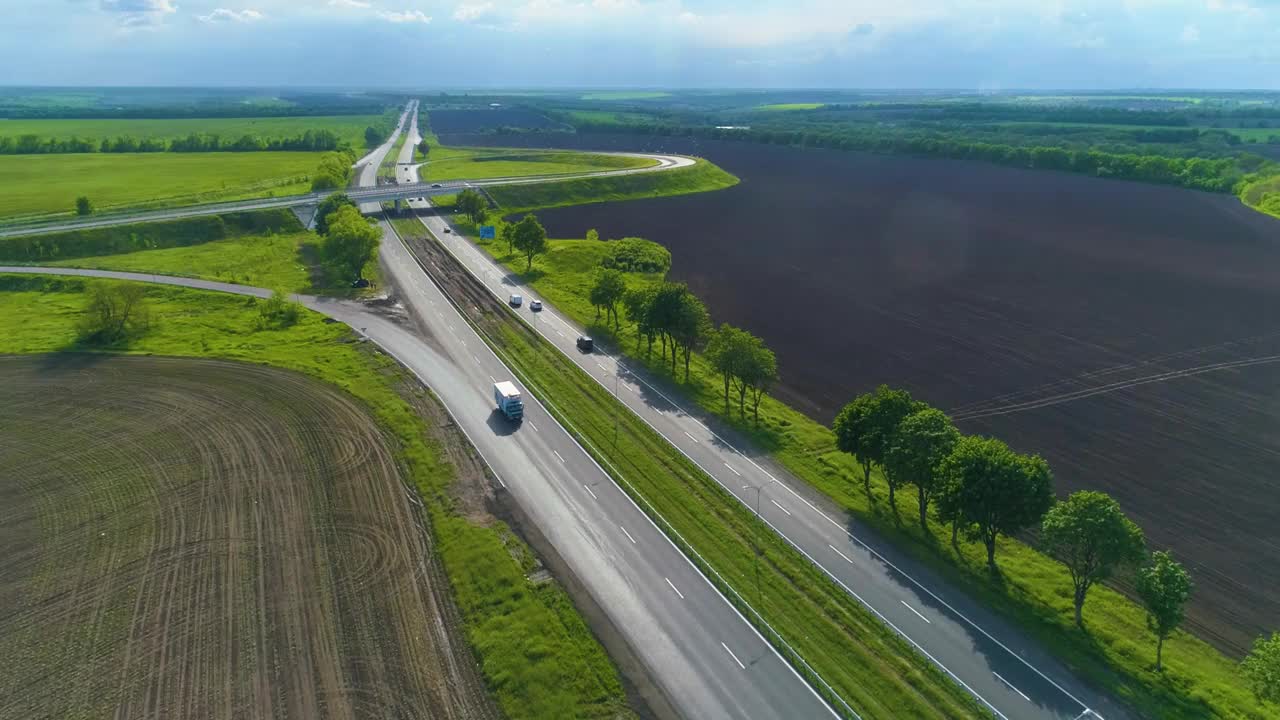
{"points": [[1117, 651], [865, 664], [481, 163], [536, 653]]}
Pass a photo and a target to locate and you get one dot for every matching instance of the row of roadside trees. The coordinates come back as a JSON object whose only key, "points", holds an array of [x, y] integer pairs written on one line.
{"points": [[308, 141], [985, 490]]}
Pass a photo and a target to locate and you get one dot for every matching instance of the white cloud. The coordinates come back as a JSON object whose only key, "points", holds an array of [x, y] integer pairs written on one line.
{"points": [[472, 11], [223, 15], [139, 13], [404, 16], [356, 4], [1190, 34]]}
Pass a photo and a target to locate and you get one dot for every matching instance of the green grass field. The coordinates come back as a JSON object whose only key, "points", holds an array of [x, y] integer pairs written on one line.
{"points": [[536, 653], [347, 127], [702, 176], [611, 117], [626, 95], [1116, 654], [481, 163], [270, 261], [791, 106], [36, 185]]}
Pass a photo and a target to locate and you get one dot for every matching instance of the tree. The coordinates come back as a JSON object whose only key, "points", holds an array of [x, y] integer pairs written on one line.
{"points": [[638, 304], [424, 147], [473, 205], [372, 136], [990, 491], [327, 207], [114, 311], [84, 206], [350, 242], [865, 427], [690, 325], [1164, 587], [278, 311], [920, 443], [1262, 668], [760, 375], [1091, 536], [609, 288], [530, 238], [593, 235], [728, 350]]}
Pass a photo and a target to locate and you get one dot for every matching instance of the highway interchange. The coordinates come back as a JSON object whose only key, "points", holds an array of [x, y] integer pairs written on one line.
{"points": [[707, 659]]}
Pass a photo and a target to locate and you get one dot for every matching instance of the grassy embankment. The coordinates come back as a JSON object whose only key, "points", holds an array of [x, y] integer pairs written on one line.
{"points": [[1263, 195], [866, 664], [537, 655], [349, 128], [44, 185], [482, 163], [702, 176], [1116, 653], [267, 249]]}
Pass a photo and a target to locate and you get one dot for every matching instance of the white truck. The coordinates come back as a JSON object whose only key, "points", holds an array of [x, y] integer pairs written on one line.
{"points": [[507, 396]]}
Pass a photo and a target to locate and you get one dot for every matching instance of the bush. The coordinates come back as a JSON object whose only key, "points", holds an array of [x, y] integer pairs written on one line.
{"points": [[637, 255]]}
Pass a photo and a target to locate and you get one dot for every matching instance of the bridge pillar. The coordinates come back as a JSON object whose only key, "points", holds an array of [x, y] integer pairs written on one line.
{"points": [[397, 206]]}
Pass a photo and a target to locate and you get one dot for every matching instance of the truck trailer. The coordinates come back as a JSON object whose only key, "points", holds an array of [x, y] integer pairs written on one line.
{"points": [[507, 396]]}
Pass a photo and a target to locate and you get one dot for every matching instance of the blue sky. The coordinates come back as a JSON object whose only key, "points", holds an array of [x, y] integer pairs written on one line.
{"points": [[967, 44]]}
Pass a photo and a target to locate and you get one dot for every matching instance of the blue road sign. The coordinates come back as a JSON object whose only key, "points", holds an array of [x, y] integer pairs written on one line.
{"points": [[486, 232]]}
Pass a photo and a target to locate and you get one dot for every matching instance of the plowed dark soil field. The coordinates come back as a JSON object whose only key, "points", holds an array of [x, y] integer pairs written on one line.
{"points": [[201, 539], [1129, 333]]}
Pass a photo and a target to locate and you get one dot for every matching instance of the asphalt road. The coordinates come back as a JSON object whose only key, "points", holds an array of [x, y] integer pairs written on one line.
{"points": [[707, 660], [1006, 671]]}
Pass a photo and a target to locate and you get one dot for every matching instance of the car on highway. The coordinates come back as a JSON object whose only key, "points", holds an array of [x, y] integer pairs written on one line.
{"points": [[585, 343], [535, 305], [436, 185], [515, 301], [448, 230]]}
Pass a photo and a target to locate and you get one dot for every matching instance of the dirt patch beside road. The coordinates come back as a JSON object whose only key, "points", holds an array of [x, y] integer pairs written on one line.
{"points": [[191, 538]]}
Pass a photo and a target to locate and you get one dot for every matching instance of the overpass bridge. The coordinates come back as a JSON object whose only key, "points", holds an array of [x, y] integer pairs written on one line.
{"points": [[396, 193]]}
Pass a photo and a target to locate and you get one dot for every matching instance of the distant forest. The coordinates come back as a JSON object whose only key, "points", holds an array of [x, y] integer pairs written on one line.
{"points": [[311, 140]]}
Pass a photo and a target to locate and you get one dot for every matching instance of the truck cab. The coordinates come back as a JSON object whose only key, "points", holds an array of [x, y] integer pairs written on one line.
{"points": [[507, 397]]}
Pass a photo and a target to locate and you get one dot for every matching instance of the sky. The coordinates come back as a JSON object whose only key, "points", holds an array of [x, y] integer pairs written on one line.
{"points": [[954, 44]]}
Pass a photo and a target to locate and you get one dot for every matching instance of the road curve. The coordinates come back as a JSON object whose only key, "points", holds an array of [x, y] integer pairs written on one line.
{"points": [[706, 659]]}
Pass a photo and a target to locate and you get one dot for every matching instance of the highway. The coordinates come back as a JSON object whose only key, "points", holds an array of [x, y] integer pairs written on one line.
{"points": [[982, 652], [707, 660]]}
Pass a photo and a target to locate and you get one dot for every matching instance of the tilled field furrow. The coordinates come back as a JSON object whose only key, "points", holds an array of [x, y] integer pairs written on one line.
{"points": [[206, 539]]}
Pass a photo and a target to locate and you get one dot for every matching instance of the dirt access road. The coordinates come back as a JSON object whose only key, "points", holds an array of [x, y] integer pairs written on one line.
{"points": [[204, 539]]}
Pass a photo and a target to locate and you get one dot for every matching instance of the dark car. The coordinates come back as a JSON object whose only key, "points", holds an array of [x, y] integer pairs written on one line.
{"points": [[535, 305], [436, 185], [586, 344]]}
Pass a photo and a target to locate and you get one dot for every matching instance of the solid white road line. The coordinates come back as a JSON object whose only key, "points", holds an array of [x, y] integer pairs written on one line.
{"points": [[673, 587], [557, 452], [735, 657], [775, 502], [735, 472], [846, 557], [588, 487], [1011, 687], [691, 437], [624, 532], [917, 612]]}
